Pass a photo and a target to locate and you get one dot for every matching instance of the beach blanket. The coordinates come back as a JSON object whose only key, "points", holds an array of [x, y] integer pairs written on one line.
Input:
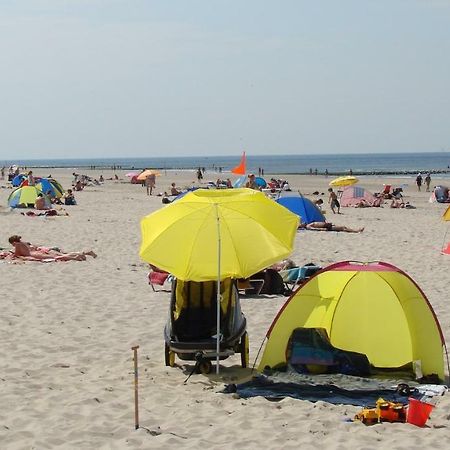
{"points": [[274, 389]]}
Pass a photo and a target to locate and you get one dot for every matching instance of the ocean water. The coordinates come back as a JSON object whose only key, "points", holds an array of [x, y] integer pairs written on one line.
{"points": [[437, 162]]}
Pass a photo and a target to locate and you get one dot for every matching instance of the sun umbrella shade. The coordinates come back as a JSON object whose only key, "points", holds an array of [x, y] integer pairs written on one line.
{"points": [[182, 238], [27, 196], [147, 173], [343, 181]]}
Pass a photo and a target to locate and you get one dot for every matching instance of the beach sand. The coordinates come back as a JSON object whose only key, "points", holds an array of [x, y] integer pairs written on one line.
{"points": [[66, 331]]}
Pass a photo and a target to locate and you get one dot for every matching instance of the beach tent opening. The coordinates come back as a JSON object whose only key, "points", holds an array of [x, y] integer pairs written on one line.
{"points": [[302, 206], [373, 309], [353, 195]]}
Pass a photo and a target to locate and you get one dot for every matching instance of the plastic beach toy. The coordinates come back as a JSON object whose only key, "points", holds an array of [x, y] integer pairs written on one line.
{"points": [[418, 412]]}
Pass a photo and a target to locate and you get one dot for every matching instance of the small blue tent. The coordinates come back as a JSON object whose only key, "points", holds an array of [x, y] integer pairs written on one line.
{"points": [[17, 180], [303, 207]]}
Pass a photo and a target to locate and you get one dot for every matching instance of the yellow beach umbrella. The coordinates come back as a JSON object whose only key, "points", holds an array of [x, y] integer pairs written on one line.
{"points": [[217, 234], [146, 173], [251, 230], [344, 181]]}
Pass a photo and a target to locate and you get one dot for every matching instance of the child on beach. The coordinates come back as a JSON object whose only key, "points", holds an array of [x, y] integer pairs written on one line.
{"points": [[333, 201]]}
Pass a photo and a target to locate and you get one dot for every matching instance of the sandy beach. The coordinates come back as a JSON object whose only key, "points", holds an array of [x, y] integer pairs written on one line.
{"points": [[66, 372]]}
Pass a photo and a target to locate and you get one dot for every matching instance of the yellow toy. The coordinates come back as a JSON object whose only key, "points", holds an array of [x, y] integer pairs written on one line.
{"points": [[383, 412]]}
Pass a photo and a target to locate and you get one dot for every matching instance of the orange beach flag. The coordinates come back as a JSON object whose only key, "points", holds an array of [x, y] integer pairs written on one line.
{"points": [[240, 169]]}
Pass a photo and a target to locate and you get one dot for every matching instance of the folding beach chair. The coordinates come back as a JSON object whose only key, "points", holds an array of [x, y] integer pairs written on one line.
{"points": [[158, 277], [298, 275]]}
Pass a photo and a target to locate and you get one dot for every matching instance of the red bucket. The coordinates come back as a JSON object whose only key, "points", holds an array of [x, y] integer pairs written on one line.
{"points": [[418, 412]]}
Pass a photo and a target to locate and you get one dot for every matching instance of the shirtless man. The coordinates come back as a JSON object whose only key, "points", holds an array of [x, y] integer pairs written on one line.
{"points": [[333, 201], [30, 252], [328, 226]]}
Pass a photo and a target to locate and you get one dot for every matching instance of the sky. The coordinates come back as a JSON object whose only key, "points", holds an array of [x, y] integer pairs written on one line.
{"points": [[144, 78]]}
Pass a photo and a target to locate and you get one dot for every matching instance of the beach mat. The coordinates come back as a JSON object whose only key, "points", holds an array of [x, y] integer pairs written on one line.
{"points": [[263, 386]]}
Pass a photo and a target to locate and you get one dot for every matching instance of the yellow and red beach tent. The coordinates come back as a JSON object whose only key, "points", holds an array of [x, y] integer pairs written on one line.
{"points": [[370, 308]]}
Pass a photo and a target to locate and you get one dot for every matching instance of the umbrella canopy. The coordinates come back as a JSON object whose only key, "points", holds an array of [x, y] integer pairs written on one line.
{"points": [[147, 173], [343, 181], [50, 187], [260, 182], [250, 230], [132, 174], [303, 207], [26, 195]]}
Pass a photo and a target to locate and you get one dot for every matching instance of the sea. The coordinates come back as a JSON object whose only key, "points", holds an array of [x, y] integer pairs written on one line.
{"points": [[381, 163]]}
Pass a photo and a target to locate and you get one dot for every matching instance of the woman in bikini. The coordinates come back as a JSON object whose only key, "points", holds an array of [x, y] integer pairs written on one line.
{"points": [[31, 252]]}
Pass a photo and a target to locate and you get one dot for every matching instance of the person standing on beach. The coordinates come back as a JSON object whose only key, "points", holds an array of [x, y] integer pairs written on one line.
{"points": [[427, 182], [30, 178], [150, 182], [419, 181], [333, 201]]}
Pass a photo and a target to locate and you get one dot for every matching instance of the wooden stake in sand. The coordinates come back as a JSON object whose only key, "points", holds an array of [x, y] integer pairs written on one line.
{"points": [[136, 402]]}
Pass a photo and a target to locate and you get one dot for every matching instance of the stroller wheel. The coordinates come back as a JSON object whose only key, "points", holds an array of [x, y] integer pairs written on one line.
{"points": [[204, 366], [244, 350], [169, 356]]}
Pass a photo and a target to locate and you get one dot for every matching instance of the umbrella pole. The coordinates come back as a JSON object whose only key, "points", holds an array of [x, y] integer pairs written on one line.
{"points": [[218, 291]]}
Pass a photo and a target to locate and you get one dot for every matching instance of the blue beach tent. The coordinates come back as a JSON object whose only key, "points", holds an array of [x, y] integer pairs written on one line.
{"points": [[18, 179], [303, 207]]}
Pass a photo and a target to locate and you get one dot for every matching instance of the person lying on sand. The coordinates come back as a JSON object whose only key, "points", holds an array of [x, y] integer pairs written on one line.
{"points": [[328, 226], [31, 252], [400, 204]]}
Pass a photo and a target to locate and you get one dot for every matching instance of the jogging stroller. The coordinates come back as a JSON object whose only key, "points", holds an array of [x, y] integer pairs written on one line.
{"points": [[190, 332]]}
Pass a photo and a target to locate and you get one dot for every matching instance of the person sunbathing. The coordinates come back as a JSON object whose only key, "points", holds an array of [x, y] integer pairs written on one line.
{"points": [[328, 226], [30, 252]]}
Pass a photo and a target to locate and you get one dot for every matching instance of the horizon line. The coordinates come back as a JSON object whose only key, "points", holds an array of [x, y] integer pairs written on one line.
{"points": [[223, 156]]}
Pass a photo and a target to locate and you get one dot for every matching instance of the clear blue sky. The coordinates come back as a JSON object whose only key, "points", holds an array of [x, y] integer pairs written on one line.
{"points": [[115, 78]]}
